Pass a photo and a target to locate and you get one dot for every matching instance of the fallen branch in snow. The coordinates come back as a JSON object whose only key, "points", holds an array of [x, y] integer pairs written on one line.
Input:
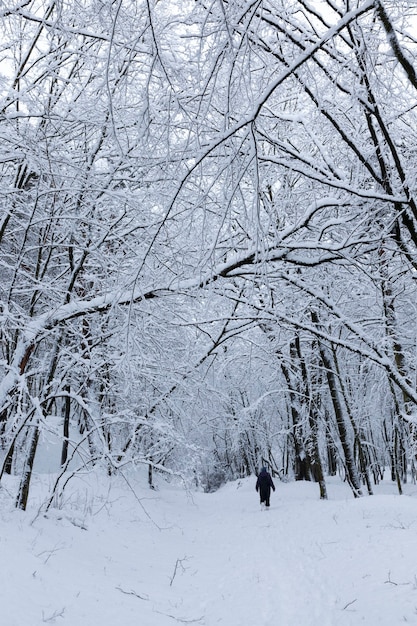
{"points": [[51, 552], [139, 501], [133, 593], [349, 604], [391, 582], [180, 619], [178, 563], [54, 615]]}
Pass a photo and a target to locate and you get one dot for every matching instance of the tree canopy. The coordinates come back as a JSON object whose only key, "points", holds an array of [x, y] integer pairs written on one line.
{"points": [[208, 237]]}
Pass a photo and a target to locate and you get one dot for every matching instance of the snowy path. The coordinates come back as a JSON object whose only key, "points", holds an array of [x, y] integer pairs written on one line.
{"points": [[216, 559], [303, 562]]}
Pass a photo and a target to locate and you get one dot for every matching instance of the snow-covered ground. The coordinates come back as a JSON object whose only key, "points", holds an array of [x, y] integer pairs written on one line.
{"points": [[118, 554]]}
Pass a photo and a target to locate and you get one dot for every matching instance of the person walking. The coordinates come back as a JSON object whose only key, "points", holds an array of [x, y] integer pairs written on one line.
{"points": [[264, 484]]}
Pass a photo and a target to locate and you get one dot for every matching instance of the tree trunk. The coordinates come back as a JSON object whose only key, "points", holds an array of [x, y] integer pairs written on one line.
{"points": [[357, 437], [301, 463], [331, 447], [23, 493], [67, 412], [311, 391], [351, 469]]}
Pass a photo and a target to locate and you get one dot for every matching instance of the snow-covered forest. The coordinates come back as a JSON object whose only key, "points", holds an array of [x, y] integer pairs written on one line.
{"points": [[208, 240]]}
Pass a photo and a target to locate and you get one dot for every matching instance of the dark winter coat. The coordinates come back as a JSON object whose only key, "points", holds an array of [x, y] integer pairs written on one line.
{"points": [[264, 484]]}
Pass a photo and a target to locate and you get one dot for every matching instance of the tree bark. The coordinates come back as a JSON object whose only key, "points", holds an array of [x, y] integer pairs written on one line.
{"points": [[23, 493], [65, 433], [351, 469], [312, 395]]}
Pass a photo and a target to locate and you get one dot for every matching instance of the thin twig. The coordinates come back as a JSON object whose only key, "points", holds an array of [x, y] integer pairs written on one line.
{"points": [[139, 501], [54, 615], [178, 563], [349, 604], [133, 593], [180, 619]]}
